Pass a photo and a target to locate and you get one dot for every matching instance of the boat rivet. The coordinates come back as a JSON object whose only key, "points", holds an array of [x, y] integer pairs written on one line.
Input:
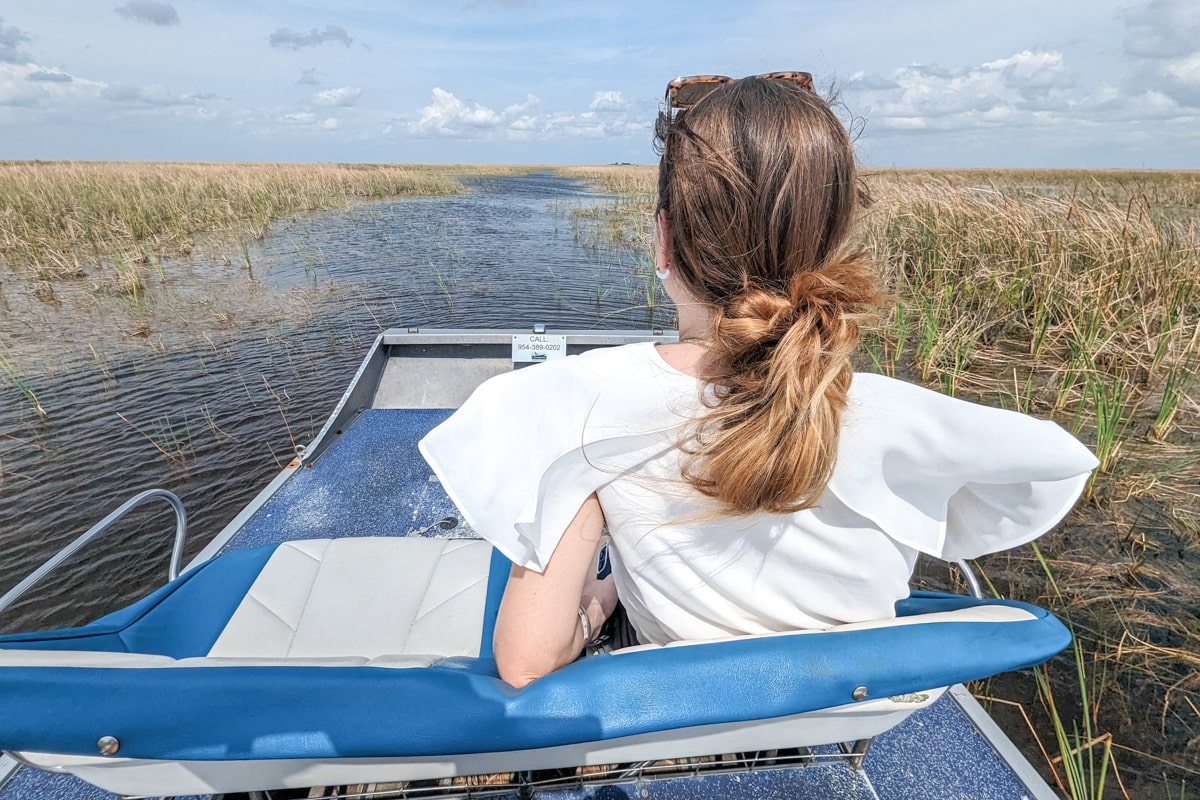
{"points": [[860, 693], [108, 745]]}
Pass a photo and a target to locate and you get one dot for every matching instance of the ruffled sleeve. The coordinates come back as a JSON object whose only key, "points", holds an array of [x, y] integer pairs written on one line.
{"points": [[528, 447], [950, 478]]}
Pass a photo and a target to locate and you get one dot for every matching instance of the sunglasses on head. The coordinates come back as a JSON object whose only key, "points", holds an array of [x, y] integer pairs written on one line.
{"points": [[686, 92]]}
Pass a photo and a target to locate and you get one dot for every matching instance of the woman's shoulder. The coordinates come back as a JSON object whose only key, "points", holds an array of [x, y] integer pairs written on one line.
{"points": [[951, 477], [878, 400], [871, 387], [887, 413]]}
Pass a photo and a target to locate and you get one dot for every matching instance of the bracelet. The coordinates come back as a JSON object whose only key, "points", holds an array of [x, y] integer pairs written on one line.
{"points": [[585, 624]]}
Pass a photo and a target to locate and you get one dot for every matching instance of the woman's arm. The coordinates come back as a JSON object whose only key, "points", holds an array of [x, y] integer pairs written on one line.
{"points": [[538, 628]]}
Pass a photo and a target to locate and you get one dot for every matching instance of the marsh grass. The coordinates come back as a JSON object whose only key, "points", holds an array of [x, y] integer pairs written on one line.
{"points": [[13, 373], [1070, 295], [1073, 296], [619, 232], [634, 181], [170, 437], [109, 221], [147, 254]]}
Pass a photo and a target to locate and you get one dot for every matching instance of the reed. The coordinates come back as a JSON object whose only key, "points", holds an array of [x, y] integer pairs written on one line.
{"points": [[619, 231], [626, 180], [444, 283], [103, 220], [10, 370], [1072, 296], [173, 439], [1083, 772], [1176, 388]]}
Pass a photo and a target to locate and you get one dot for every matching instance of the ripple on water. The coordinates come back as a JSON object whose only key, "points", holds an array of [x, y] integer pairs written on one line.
{"points": [[241, 371]]}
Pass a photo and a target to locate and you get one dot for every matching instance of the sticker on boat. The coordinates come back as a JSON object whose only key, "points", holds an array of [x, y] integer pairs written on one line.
{"points": [[537, 347]]}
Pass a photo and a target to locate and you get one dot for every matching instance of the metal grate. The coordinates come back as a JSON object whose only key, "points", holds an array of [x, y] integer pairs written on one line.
{"points": [[525, 784]]}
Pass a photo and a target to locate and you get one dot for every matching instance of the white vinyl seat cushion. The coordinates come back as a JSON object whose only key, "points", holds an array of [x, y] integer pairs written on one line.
{"points": [[366, 598]]}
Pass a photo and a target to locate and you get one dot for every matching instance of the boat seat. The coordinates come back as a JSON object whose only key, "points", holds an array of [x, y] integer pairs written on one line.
{"points": [[320, 652], [370, 601], [363, 597]]}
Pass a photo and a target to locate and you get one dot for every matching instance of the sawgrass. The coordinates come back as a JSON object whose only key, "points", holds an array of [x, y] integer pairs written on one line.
{"points": [[1074, 296], [13, 374], [109, 221]]}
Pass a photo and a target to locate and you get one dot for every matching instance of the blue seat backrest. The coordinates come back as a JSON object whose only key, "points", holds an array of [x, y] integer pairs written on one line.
{"points": [[180, 620]]}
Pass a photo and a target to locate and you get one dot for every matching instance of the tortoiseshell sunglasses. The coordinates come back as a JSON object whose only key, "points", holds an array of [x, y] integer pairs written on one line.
{"points": [[686, 92]]}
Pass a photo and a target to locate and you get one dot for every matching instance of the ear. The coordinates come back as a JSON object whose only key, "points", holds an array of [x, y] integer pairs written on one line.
{"points": [[662, 240]]}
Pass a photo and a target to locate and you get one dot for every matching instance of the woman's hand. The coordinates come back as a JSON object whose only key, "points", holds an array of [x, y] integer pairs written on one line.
{"points": [[599, 600], [538, 628]]}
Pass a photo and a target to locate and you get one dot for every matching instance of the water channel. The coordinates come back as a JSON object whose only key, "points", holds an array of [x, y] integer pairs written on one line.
{"points": [[213, 416]]}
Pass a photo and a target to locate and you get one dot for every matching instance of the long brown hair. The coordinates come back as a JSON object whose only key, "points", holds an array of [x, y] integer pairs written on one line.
{"points": [[759, 184]]}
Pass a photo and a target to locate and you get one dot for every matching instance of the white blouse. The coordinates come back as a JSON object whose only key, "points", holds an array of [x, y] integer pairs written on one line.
{"points": [[916, 472]]}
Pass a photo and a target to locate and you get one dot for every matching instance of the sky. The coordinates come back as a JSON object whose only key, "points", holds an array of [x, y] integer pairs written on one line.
{"points": [[938, 83]]}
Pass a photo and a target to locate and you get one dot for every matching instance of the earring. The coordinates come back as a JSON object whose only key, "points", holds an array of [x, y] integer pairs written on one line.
{"points": [[662, 274]]}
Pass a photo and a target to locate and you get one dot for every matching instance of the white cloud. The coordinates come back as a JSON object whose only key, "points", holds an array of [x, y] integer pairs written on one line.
{"points": [[1185, 70], [449, 116], [1181, 79], [1030, 108], [29, 86], [39, 95], [345, 96], [608, 101], [1016, 89], [905, 123], [531, 102], [330, 124], [300, 118], [134, 95], [1033, 70], [1163, 36]]}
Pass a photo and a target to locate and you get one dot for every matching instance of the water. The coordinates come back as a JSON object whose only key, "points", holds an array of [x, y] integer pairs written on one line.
{"points": [[224, 403]]}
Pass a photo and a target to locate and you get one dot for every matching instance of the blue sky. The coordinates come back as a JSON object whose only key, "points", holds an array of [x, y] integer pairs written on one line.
{"points": [[1034, 83]]}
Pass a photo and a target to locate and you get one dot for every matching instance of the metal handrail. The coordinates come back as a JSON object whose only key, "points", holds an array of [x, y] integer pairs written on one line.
{"points": [[100, 527], [968, 575]]}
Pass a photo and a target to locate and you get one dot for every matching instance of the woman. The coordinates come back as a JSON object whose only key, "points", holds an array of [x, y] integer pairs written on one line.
{"points": [[748, 480]]}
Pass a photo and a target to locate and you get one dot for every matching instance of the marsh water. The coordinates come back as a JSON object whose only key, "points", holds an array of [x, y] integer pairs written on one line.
{"points": [[244, 357]]}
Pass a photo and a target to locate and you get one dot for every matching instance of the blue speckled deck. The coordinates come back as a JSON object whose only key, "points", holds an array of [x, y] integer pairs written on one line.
{"points": [[371, 482], [824, 781], [35, 784], [939, 754]]}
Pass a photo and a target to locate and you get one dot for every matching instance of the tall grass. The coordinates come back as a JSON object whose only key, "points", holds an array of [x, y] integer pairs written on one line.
{"points": [[1073, 294], [629, 180], [67, 220], [622, 227], [13, 373]]}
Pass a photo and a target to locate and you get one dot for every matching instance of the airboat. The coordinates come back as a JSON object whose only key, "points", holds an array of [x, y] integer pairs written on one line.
{"points": [[334, 640]]}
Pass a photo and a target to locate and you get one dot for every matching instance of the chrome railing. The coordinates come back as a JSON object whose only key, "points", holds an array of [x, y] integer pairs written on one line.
{"points": [[969, 576], [100, 527]]}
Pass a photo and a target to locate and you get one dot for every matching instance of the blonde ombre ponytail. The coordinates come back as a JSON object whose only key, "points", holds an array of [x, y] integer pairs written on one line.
{"points": [[759, 183]]}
